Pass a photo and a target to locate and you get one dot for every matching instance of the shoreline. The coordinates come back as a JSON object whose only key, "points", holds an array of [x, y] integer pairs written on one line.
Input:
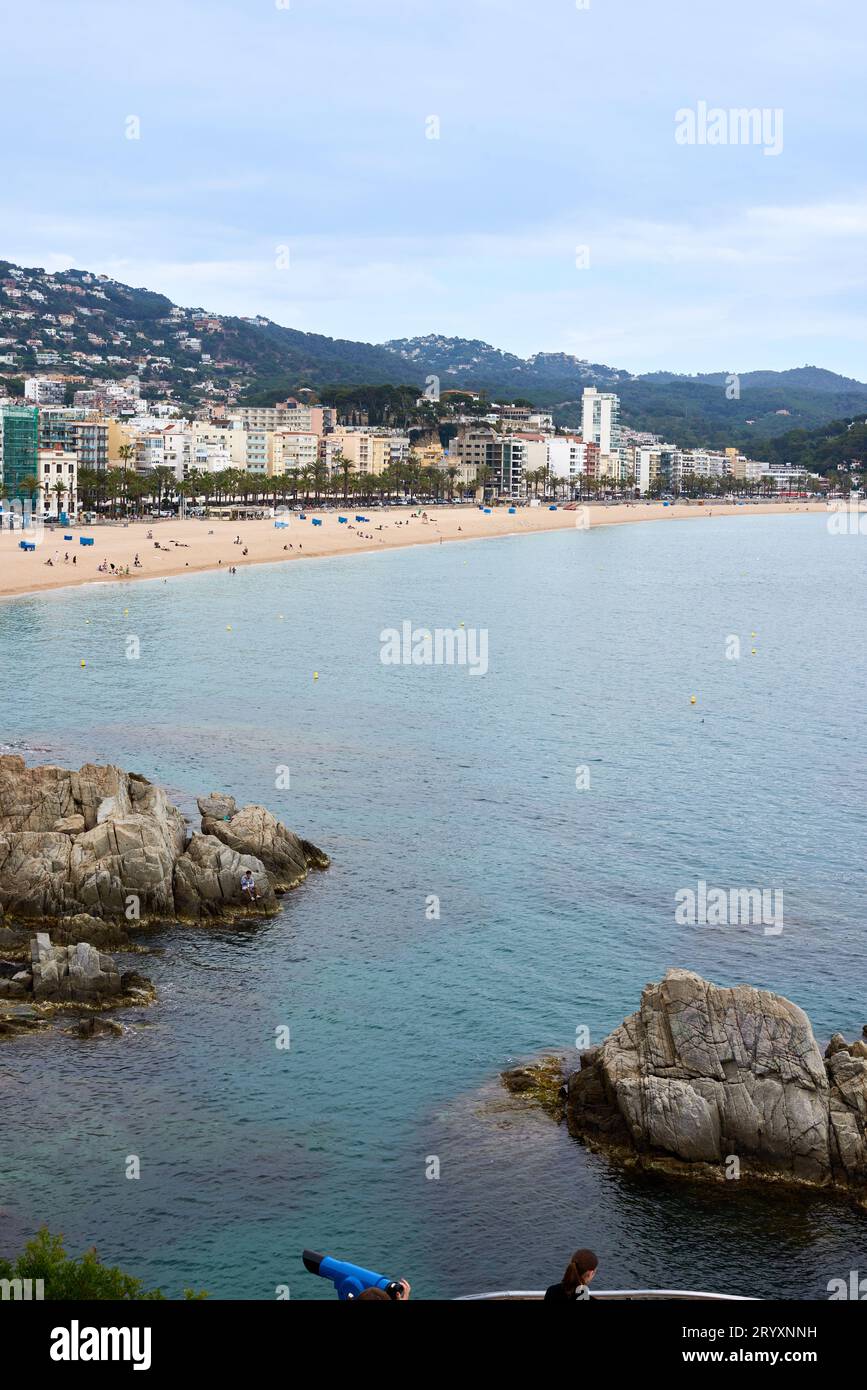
{"points": [[213, 544]]}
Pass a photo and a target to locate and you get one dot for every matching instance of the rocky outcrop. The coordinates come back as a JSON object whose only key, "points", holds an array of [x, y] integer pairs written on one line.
{"points": [[701, 1075], [109, 845], [75, 975], [254, 831], [207, 878]]}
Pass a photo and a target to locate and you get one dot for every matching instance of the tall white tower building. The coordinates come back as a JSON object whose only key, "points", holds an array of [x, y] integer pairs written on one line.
{"points": [[600, 419]]}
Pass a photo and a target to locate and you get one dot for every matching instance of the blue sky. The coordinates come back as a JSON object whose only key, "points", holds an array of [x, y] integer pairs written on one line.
{"points": [[305, 126]]}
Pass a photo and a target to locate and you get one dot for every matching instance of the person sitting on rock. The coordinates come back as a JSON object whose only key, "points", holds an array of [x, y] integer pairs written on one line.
{"points": [[248, 886], [574, 1286]]}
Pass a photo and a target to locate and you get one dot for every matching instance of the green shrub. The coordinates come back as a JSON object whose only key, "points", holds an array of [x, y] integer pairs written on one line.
{"points": [[86, 1278]]}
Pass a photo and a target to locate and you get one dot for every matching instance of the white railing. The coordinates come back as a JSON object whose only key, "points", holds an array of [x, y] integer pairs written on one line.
{"points": [[602, 1294]]}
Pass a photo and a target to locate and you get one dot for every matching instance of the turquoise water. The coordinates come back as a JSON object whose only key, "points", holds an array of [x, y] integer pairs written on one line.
{"points": [[556, 904]]}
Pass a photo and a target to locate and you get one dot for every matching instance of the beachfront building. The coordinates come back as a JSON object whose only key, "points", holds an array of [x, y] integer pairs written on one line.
{"points": [[58, 478], [572, 458], [79, 432], [294, 450], [258, 450], [787, 477], [210, 448], [499, 460], [645, 466], [745, 470], [19, 444], [679, 466], [367, 451], [600, 420]]}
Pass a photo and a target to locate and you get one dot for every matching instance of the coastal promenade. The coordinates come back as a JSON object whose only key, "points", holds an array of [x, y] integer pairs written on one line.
{"points": [[194, 545]]}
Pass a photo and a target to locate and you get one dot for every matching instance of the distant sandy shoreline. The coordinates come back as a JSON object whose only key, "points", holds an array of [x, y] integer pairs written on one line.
{"points": [[211, 545]]}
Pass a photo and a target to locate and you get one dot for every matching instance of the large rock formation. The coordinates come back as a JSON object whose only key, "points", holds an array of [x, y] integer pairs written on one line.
{"points": [[701, 1075], [78, 974], [253, 830], [110, 844]]}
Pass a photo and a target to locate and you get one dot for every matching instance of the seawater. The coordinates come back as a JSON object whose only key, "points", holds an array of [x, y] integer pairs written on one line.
{"points": [[556, 903]]}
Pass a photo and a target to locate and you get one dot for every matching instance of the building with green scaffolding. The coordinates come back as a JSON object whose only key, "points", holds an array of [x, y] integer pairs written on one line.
{"points": [[19, 444]]}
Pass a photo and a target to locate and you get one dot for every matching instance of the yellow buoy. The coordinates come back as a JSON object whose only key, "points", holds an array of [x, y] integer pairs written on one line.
{"points": [[692, 699], [84, 663], [228, 627], [316, 675], [754, 651], [125, 612]]}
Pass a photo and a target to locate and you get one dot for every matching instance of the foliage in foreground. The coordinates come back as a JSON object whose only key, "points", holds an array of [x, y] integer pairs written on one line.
{"points": [[86, 1278]]}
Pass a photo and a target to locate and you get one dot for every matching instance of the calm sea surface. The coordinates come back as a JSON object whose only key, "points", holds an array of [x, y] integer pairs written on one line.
{"points": [[556, 904]]}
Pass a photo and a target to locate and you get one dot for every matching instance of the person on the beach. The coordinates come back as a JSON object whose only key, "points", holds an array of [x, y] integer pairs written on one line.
{"points": [[575, 1284], [248, 885]]}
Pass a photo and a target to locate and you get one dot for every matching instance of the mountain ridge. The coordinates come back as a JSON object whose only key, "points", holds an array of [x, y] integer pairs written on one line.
{"points": [[90, 325]]}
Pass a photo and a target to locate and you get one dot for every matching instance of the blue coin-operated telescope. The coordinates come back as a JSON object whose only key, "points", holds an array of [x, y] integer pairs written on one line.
{"points": [[349, 1280]]}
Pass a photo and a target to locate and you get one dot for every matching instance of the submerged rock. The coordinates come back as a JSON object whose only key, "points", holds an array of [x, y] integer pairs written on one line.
{"points": [[702, 1074], [92, 1026], [540, 1080], [108, 845]]}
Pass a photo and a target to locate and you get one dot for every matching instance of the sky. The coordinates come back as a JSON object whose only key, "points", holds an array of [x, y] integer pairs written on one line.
{"points": [[534, 175]]}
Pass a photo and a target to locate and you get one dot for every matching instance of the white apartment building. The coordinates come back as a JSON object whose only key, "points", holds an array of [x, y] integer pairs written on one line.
{"points": [[211, 448], [678, 464], [44, 390], [294, 450], [150, 450], [286, 415], [600, 419], [566, 456], [258, 450], [786, 476], [58, 465]]}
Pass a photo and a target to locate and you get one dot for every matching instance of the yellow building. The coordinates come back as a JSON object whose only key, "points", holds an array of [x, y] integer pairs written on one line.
{"points": [[368, 453], [119, 434]]}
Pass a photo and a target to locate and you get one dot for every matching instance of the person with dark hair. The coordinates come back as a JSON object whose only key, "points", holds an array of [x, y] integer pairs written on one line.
{"points": [[399, 1293], [573, 1287]]}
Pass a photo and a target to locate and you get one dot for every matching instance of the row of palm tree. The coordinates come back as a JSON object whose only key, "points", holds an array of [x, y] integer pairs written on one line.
{"points": [[122, 490], [694, 485]]}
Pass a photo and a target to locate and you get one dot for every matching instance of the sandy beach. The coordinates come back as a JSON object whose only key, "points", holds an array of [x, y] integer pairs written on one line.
{"points": [[194, 545]]}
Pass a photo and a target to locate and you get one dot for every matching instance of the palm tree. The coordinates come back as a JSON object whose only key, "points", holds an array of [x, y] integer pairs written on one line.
{"points": [[484, 479], [164, 482], [305, 478], [59, 490], [346, 466], [114, 487], [31, 488]]}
